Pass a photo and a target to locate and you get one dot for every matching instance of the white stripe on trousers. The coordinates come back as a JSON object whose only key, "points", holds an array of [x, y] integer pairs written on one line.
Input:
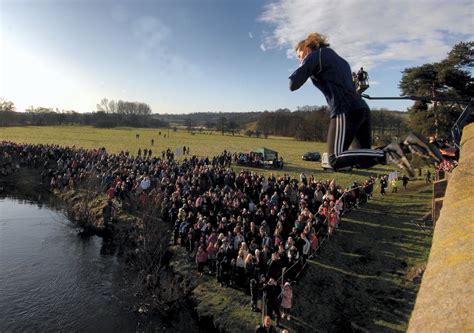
{"points": [[340, 134], [340, 138]]}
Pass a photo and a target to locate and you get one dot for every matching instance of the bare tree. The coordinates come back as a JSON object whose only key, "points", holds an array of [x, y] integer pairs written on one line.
{"points": [[7, 106], [103, 105]]}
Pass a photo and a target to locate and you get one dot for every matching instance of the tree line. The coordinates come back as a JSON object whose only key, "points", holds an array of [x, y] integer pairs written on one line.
{"points": [[109, 114]]}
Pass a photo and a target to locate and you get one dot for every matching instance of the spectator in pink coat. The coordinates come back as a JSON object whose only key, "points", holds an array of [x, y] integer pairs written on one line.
{"points": [[287, 296]]}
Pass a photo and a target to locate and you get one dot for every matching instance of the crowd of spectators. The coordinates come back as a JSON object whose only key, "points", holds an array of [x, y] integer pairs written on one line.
{"points": [[244, 228], [7, 163], [445, 167], [59, 166]]}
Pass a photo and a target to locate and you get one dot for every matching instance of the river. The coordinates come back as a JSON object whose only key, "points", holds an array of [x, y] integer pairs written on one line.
{"points": [[53, 280]]}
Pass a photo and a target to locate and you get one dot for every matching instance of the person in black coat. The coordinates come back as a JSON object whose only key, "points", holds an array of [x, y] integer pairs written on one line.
{"points": [[255, 286], [275, 267], [222, 266], [272, 293]]}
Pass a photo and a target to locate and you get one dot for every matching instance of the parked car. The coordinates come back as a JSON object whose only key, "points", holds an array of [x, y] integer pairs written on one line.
{"points": [[311, 156], [326, 166]]}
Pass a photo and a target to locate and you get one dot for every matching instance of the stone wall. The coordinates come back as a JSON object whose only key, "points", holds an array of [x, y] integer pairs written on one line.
{"points": [[445, 301]]}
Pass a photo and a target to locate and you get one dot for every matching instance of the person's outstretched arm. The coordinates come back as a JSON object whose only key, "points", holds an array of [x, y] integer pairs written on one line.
{"points": [[308, 67]]}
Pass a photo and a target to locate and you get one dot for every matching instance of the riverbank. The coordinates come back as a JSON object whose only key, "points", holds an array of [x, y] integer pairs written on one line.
{"points": [[162, 302], [24, 183]]}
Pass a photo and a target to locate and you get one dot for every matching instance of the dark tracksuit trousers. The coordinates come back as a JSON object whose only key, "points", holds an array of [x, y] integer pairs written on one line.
{"points": [[352, 129]]}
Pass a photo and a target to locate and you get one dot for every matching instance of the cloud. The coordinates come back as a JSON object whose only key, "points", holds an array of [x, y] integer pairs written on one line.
{"points": [[250, 35], [262, 47], [370, 33], [153, 36], [150, 34]]}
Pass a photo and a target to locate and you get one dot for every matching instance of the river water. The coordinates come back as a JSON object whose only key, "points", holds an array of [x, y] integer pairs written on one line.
{"points": [[53, 280]]}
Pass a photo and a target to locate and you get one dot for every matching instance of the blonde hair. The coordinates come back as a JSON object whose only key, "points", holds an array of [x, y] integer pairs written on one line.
{"points": [[313, 41], [248, 258]]}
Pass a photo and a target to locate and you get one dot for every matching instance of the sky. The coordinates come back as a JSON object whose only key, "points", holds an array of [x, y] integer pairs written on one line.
{"points": [[184, 56]]}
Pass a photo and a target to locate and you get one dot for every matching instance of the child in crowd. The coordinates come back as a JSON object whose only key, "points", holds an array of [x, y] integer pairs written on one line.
{"points": [[286, 301]]}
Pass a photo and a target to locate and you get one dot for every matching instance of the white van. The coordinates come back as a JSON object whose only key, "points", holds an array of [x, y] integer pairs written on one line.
{"points": [[326, 166]]}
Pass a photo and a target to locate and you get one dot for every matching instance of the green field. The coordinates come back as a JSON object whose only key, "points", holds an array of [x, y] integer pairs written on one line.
{"points": [[116, 140]]}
